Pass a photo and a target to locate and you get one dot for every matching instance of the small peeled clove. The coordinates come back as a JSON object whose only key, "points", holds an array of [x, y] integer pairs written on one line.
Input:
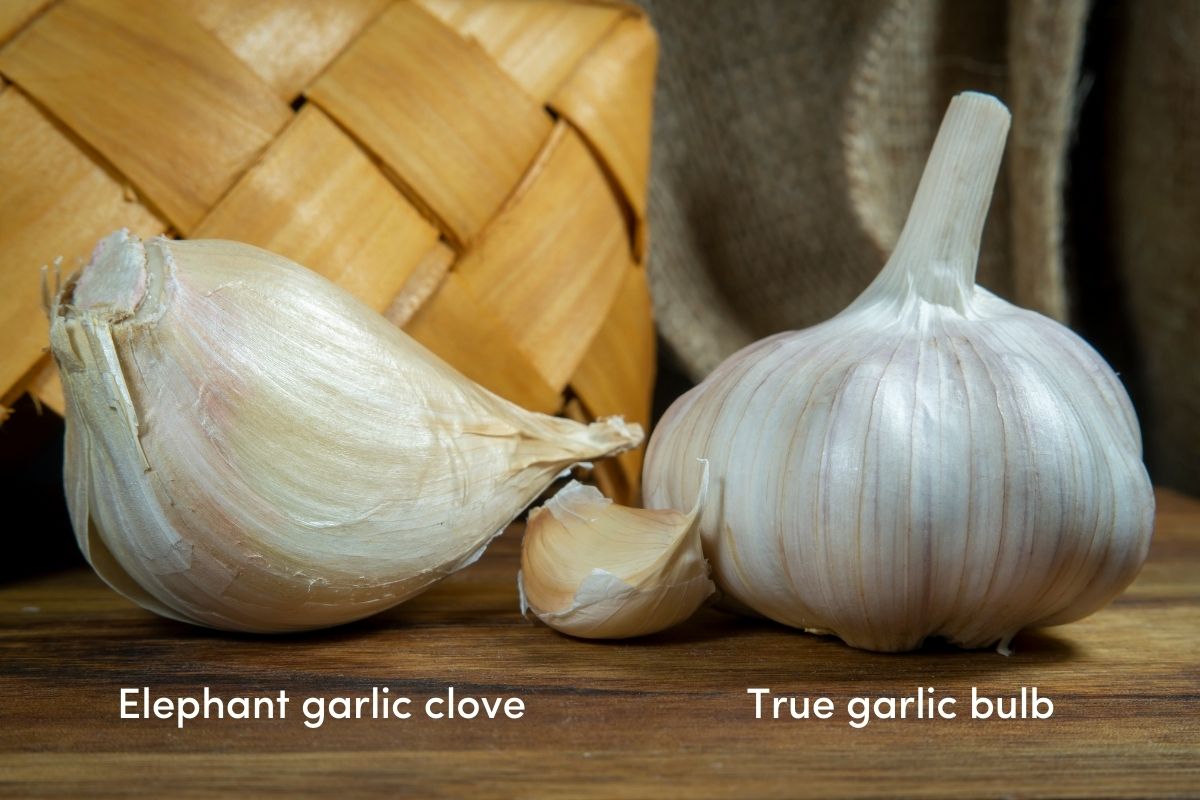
{"points": [[250, 448], [597, 570]]}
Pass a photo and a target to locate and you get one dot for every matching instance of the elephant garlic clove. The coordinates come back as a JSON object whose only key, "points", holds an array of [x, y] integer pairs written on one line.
{"points": [[931, 462], [597, 570], [250, 448]]}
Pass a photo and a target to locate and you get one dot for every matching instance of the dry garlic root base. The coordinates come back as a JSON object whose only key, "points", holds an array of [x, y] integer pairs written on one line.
{"points": [[250, 448], [597, 570], [933, 461]]}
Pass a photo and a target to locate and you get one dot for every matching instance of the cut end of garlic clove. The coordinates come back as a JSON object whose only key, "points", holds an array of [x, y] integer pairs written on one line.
{"points": [[114, 279], [594, 569]]}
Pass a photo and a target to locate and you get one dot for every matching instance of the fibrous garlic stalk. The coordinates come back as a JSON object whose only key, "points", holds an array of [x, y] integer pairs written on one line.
{"points": [[597, 570], [250, 448], [933, 461]]}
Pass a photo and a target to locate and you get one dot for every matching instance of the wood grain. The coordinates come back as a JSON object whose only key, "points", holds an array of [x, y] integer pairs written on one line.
{"points": [[456, 131], [181, 131], [15, 13], [286, 42], [317, 199], [537, 42], [550, 266], [666, 715], [610, 98]]}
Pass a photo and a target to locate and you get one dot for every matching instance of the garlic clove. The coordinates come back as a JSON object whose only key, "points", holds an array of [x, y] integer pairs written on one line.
{"points": [[250, 448], [597, 570], [931, 462]]}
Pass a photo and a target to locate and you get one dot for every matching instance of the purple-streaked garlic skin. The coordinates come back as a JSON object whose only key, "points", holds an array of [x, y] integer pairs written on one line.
{"points": [[931, 462]]}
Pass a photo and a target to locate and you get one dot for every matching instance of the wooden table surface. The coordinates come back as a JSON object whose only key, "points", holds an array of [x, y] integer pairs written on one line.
{"points": [[667, 715]]}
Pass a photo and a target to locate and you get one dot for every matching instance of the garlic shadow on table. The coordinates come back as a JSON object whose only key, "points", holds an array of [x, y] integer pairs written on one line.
{"points": [[728, 633], [720, 628]]}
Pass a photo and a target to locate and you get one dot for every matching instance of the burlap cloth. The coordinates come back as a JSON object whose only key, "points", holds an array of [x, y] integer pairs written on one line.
{"points": [[790, 135]]}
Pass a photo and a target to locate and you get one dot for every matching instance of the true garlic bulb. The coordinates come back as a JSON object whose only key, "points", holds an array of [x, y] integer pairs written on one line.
{"points": [[597, 570], [932, 461], [250, 448]]}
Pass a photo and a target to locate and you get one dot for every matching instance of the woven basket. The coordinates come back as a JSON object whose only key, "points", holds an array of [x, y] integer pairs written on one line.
{"points": [[476, 171]]}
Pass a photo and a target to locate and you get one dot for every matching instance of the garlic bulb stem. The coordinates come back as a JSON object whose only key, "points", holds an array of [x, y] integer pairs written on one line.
{"points": [[938, 250]]}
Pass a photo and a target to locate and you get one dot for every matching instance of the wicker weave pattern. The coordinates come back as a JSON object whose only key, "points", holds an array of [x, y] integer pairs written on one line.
{"points": [[477, 171]]}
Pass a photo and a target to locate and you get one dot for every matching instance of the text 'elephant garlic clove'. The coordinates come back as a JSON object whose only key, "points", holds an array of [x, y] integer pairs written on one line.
{"points": [[597, 570], [933, 461], [250, 448]]}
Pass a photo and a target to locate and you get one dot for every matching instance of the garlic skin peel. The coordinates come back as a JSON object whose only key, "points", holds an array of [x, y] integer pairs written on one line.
{"points": [[250, 448], [932, 461], [597, 570]]}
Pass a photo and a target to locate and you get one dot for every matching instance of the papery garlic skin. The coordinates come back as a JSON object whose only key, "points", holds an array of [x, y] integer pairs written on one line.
{"points": [[597, 570], [250, 448], [933, 461]]}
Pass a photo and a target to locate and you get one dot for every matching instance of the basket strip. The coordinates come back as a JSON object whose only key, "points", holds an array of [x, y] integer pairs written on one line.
{"points": [[421, 285], [286, 42], [537, 42], [15, 13], [467, 334], [616, 375], [383, 90], [181, 132], [51, 192], [609, 98], [551, 263], [316, 198]]}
